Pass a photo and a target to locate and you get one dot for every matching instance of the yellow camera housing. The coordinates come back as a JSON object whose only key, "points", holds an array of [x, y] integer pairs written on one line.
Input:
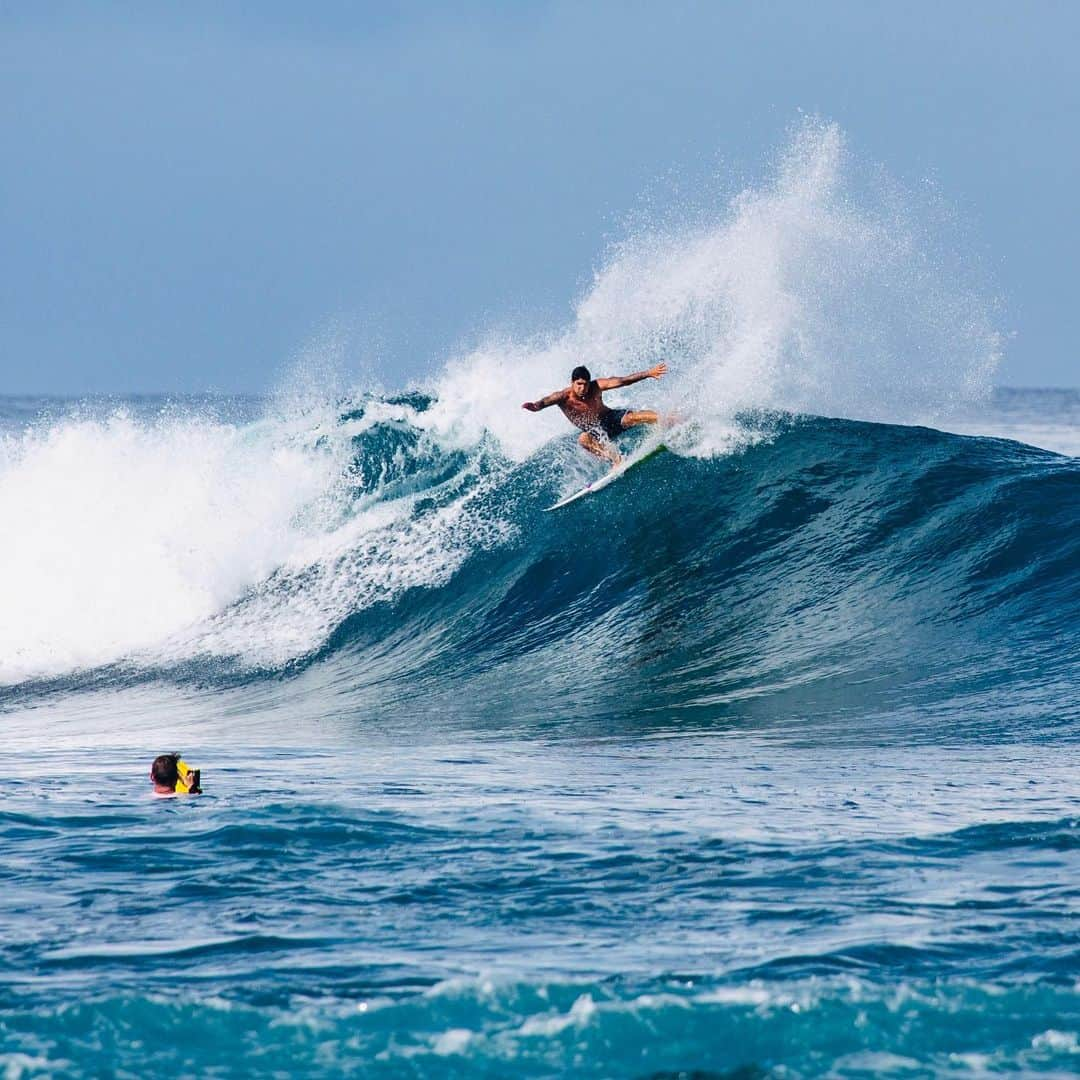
{"points": [[187, 779]]}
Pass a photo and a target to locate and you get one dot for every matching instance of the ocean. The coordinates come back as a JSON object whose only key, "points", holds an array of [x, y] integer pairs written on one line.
{"points": [[761, 762]]}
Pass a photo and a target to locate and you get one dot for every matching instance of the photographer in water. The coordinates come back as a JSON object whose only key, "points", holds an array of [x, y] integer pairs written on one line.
{"points": [[171, 776]]}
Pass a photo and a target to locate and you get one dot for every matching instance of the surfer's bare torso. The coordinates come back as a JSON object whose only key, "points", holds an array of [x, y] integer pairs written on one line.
{"points": [[584, 412]]}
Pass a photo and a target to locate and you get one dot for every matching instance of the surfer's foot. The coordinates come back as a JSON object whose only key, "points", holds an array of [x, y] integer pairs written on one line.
{"points": [[610, 454]]}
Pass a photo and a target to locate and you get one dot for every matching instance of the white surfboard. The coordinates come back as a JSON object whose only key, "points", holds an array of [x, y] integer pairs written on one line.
{"points": [[609, 477]]}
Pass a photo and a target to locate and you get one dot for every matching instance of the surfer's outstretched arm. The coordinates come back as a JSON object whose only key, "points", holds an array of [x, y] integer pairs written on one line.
{"points": [[616, 381], [544, 402]]}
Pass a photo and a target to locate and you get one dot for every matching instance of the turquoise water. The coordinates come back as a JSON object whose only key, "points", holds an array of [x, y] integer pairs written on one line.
{"points": [[761, 763], [621, 906]]}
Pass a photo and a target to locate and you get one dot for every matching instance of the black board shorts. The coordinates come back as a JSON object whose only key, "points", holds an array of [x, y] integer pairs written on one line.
{"points": [[610, 424]]}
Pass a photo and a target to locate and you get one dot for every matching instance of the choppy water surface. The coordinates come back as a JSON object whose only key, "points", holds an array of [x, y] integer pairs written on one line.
{"points": [[618, 907]]}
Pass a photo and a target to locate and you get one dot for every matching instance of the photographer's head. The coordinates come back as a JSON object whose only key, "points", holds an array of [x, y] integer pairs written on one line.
{"points": [[172, 776]]}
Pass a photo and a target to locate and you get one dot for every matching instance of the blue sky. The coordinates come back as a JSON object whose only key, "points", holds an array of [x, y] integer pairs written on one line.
{"points": [[196, 195]]}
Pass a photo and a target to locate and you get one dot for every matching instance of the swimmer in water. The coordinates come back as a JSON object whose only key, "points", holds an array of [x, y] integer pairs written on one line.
{"points": [[171, 776], [582, 403]]}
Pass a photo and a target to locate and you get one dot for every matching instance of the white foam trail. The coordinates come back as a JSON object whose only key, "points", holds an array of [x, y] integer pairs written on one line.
{"points": [[116, 533], [373, 557], [810, 294], [155, 542]]}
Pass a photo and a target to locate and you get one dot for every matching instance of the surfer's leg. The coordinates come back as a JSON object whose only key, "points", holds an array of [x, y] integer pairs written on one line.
{"points": [[604, 451], [633, 417], [650, 416]]}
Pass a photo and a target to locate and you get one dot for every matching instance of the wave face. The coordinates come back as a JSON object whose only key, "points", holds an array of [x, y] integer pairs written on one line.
{"points": [[383, 533], [825, 566], [834, 567]]}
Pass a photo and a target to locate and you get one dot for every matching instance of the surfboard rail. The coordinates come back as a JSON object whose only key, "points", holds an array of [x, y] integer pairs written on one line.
{"points": [[609, 477]]}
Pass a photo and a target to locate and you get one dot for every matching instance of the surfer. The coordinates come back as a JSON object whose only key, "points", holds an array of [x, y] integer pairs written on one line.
{"points": [[582, 403]]}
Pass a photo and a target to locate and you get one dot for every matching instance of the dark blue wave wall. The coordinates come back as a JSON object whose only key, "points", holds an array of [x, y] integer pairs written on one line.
{"points": [[835, 570], [894, 582]]}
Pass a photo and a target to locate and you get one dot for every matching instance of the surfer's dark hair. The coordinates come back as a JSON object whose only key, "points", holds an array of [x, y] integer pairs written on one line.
{"points": [[164, 770], [580, 373]]}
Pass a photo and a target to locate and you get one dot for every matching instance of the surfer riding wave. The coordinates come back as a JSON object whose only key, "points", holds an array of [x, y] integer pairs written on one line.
{"points": [[582, 403]]}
